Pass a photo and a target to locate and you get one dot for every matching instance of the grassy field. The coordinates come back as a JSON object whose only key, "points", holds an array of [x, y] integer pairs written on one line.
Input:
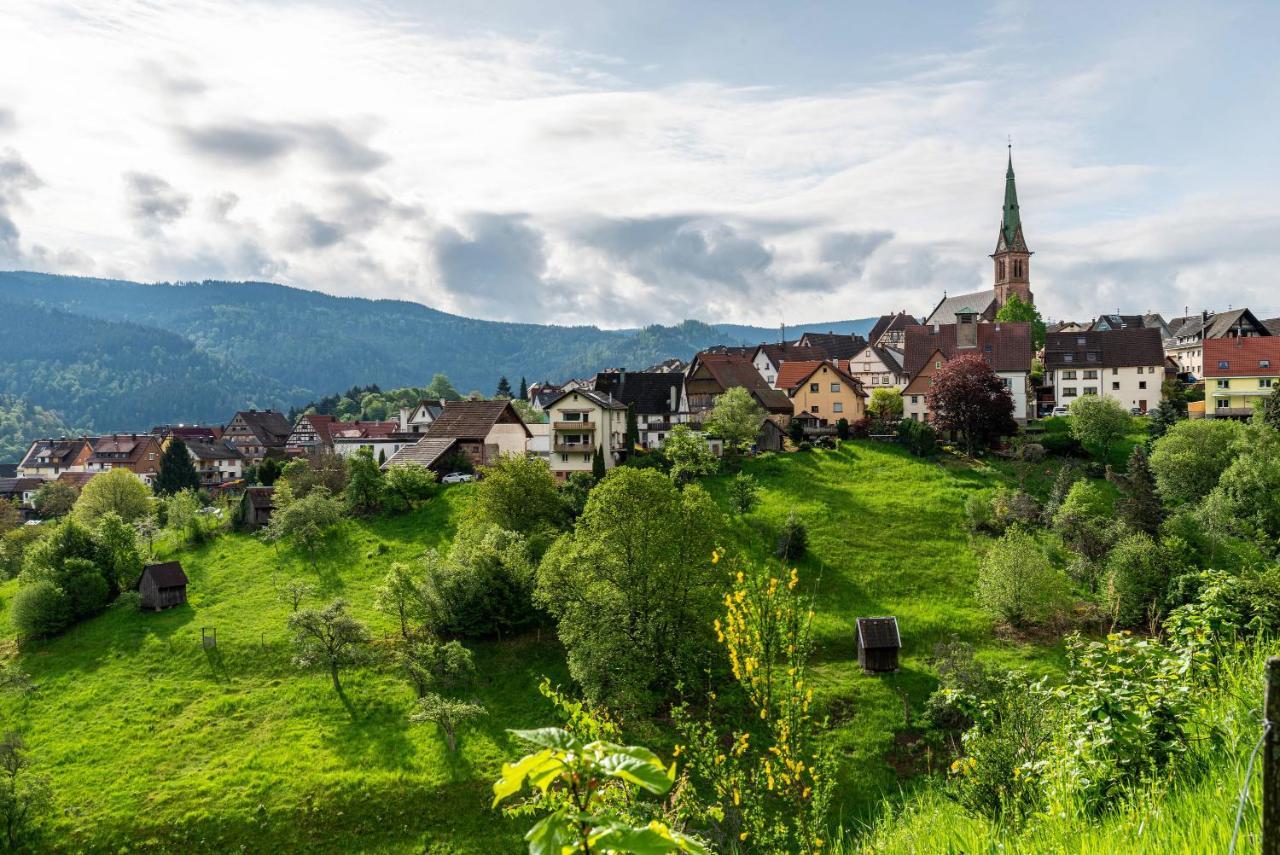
{"points": [[155, 744]]}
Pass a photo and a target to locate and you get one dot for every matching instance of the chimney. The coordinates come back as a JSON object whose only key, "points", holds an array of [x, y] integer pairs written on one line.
{"points": [[622, 377], [966, 328]]}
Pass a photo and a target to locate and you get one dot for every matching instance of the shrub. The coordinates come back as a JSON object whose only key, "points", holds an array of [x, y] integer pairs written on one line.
{"points": [[793, 539], [918, 437], [1137, 579], [1189, 459], [978, 513], [1014, 507], [39, 610], [1099, 421], [860, 429], [745, 492], [1062, 445], [1031, 452], [842, 428], [1017, 584]]}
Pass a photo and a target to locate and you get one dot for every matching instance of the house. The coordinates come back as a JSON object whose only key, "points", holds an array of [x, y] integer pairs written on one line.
{"points": [[310, 435], [1187, 335], [673, 365], [655, 397], [19, 490], [831, 345], [1126, 363], [256, 433], [891, 330], [1151, 320], [217, 462], [435, 454], [1005, 346], [382, 438], [256, 506], [1012, 267], [583, 420], [825, 391], [712, 374], [1238, 372], [768, 358], [418, 418], [1067, 326], [878, 644], [879, 366], [48, 458], [187, 433], [484, 429], [76, 479], [162, 586], [138, 452]]}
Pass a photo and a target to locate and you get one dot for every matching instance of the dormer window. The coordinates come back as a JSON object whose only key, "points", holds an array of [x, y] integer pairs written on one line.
{"points": [[1222, 363], [1264, 363]]}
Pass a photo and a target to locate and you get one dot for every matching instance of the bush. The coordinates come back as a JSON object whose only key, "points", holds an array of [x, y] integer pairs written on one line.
{"points": [[1190, 458], [39, 610], [1017, 584], [918, 437], [1062, 445], [1137, 580], [793, 539], [977, 510], [1014, 507], [860, 429], [745, 492], [842, 428], [129, 601], [1031, 452]]}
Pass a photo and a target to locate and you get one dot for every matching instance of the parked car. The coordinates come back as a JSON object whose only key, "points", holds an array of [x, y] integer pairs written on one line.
{"points": [[457, 478], [1136, 411], [1060, 410]]}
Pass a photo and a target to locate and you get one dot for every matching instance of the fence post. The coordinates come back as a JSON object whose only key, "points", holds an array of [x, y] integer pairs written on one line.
{"points": [[1271, 762]]}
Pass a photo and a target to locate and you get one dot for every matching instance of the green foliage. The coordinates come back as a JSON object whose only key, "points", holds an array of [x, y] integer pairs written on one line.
{"points": [[328, 638], [265, 473], [1160, 418], [433, 664], [447, 713], [181, 514], [1098, 421], [1018, 584], [598, 469], [519, 494], [407, 485], [303, 474], [306, 522], [1137, 576], [1084, 520], [117, 554], [687, 455], [116, 491], [1016, 309], [10, 516], [24, 795], [885, 406], [365, 490], [407, 594], [744, 491], [1269, 409], [629, 587], [486, 584], [969, 398], [440, 389], [504, 388], [13, 548], [793, 539], [1246, 501], [578, 771], [574, 492], [39, 609], [1189, 459], [842, 428], [735, 418], [1139, 508], [795, 431], [177, 470], [918, 437], [21, 422], [54, 499], [632, 437]]}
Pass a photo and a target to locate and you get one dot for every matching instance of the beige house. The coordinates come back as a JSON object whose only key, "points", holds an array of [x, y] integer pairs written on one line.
{"points": [[823, 392], [581, 421], [483, 430]]}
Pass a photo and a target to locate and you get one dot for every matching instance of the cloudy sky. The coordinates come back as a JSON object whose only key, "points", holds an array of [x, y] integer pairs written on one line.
{"points": [[628, 163]]}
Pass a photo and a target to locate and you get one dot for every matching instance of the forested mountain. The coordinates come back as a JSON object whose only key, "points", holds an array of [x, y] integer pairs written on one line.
{"points": [[108, 354], [21, 420]]}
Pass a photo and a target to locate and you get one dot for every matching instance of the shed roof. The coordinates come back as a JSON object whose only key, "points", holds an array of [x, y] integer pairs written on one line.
{"points": [[166, 575], [1257, 356], [260, 498], [425, 452], [879, 633], [650, 391]]}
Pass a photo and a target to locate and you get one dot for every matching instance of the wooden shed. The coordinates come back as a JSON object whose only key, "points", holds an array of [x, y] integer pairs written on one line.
{"points": [[878, 644], [162, 585], [770, 436], [258, 504]]}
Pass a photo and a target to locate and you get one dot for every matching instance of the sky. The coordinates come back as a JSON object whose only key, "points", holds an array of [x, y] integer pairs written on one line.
{"points": [[622, 164]]}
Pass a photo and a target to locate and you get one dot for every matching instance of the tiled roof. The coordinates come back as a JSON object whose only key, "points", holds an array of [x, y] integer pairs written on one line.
{"points": [[878, 633], [890, 323], [1115, 348], [792, 373], [1005, 346], [269, 426], [1218, 325], [982, 302], [1272, 325], [16, 486], [651, 392], [260, 497], [61, 451], [832, 345], [602, 399], [1243, 357], [424, 452], [77, 479], [212, 450], [166, 575], [473, 419], [363, 430], [854, 382]]}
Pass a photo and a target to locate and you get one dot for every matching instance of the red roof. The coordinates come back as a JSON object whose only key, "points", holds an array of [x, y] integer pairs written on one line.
{"points": [[853, 382], [1005, 346], [1242, 357], [791, 373]]}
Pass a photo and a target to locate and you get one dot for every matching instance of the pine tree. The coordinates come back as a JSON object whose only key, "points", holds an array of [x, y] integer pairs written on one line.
{"points": [[1270, 409], [504, 388], [382, 456], [524, 390], [597, 464], [1140, 508], [177, 470], [632, 438]]}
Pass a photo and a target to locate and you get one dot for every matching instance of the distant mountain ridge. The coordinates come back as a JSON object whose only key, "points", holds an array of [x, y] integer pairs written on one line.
{"points": [[111, 354]]}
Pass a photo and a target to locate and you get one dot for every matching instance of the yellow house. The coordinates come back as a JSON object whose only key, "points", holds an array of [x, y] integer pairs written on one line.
{"points": [[1239, 372], [823, 390]]}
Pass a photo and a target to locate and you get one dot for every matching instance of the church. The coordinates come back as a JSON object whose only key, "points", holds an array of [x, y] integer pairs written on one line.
{"points": [[1012, 263]]}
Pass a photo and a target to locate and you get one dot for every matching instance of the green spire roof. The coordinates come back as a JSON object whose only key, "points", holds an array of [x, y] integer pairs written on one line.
{"points": [[1011, 220]]}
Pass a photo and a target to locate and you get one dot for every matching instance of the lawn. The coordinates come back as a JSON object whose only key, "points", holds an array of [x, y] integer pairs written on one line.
{"points": [[155, 744]]}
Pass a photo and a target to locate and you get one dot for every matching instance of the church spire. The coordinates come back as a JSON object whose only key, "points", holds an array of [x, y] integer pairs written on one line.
{"points": [[1010, 221], [1012, 258]]}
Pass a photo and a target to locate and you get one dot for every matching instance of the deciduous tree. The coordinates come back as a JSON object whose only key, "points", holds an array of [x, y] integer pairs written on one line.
{"points": [[54, 499], [306, 522], [1017, 309], [519, 494], [1189, 459], [735, 418], [968, 397], [687, 455], [116, 490], [365, 488], [1017, 584], [447, 714], [23, 793], [1098, 421], [885, 405], [328, 638], [408, 485]]}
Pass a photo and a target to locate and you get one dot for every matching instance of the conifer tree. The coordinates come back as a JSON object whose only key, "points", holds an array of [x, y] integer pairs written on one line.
{"points": [[504, 388], [1269, 409], [632, 438], [597, 464], [177, 470], [524, 390], [1140, 508]]}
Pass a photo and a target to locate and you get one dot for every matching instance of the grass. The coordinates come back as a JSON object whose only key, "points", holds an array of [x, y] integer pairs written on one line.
{"points": [[154, 744]]}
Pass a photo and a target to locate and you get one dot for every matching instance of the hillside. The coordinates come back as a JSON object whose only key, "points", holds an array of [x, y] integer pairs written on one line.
{"points": [[221, 745], [112, 355]]}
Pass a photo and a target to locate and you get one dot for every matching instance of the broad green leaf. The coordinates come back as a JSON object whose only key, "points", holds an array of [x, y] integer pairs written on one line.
{"points": [[651, 776], [514, 774], [655, 839], [551, 835], [549, 737]]}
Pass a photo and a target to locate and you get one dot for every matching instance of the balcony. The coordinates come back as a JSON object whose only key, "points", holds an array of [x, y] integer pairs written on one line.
{"points": [[583, 447], [581, 426]]}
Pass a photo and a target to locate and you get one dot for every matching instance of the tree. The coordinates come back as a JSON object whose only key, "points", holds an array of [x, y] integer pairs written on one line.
{"points": [[744, 491], [1137, 578], [364, 483], [504, 388], [630, 586], [524, 390], [54, 499], [632, 437], [23, 794], [1085, 522], [1189, 459], [1140, 508], [304, 474], [181, 514], [842, 428], [295, 592], [1269, 409], [687, 455], [1160, 418], [1099, 421], [405, 595], [735, 418], [518, 494], [440, 389], [574, 492], [39, 609], [968, 397], [116, 490], [885, 406], [430, 663], [328, 638], [408, 485], [118, 557], [306, 522], [177, 469], [1246, 501], [1016, 309], [485, 587], [267, 472], [447, 714], [598, 469], [1017, 584], [10, 516], [795, 432]]}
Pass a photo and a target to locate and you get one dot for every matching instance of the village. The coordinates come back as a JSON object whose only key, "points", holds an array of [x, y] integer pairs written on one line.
{"points": [[814, 386]]}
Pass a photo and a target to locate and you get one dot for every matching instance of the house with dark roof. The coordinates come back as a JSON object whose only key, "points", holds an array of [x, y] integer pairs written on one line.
{"points": [[1152, 320], [584, 421], [258, 433], [712, 374], [1125, 363], [162, 586], [1006, 347], [830, 345], [435, 454], [1239, 372], [138, 452], [19, 490], [654, 395], [891, 330], [483, 429], [879, 366], [49, 458], [217, 462], [418, 418], [256, 506], [1187, 335]]}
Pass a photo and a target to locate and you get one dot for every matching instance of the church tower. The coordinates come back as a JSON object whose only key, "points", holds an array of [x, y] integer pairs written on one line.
{"points": [[1012, 258]]}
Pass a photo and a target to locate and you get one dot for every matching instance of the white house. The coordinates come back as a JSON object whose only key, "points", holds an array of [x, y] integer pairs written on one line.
{"points": [[1125, 364], [581, 421]]}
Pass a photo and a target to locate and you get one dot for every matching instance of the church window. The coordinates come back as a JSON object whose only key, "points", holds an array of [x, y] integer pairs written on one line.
{"points": [[1000, 269]]}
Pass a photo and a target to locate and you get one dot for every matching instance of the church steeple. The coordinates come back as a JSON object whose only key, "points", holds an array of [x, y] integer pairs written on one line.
{"points": [[1012, 258]]}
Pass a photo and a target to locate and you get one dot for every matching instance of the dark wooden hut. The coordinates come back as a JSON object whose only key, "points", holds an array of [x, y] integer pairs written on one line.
{"points": [[878, 644], [162, 585], [258, 505], [770, 436]]}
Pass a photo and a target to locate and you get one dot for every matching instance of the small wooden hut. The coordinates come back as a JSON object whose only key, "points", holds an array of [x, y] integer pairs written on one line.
{"points": [[162, 585], [878, 644], [770, 436], [258, 505]]}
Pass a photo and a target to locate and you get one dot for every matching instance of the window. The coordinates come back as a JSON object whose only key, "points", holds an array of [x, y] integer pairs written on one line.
{"points": [[1264, 363], [813, 387], [1117, 370], [564, 458], [1068, 357], [1265, 383], [1068, 391], [1000, 269], [1091, 390], [837, 407], [1091, 356], [915, 399], [937, 365], [1091, 374], [1080, 341], [1222, 363], [1068, 375], [814, 408], [1115, 386], [1142, 384], [987, 348], [835, 387], [1224, 384], [1223, 403]]}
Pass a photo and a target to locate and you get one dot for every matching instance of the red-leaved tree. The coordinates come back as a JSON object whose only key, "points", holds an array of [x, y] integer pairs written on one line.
{"points": [[968, 398]]}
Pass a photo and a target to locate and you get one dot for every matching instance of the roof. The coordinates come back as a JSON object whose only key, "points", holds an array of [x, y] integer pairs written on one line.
{"points": [[831, 345], [602, 399], [891, 358], [1010, 216], [1216, 325], [321, 424], [212, 450], [650, 392], [981, 302], [61, 452], [835, 369], [76, 479], [732, 371], [363, 430], [1066, 326], [1005, 346], [1272, 325], [16, 486], [473, 419], [792, 373], [425, 452], [269, 426], [261, 498], [166, 575], [878, 633], [1243, 357], [890, 323], [1115, 348]]}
